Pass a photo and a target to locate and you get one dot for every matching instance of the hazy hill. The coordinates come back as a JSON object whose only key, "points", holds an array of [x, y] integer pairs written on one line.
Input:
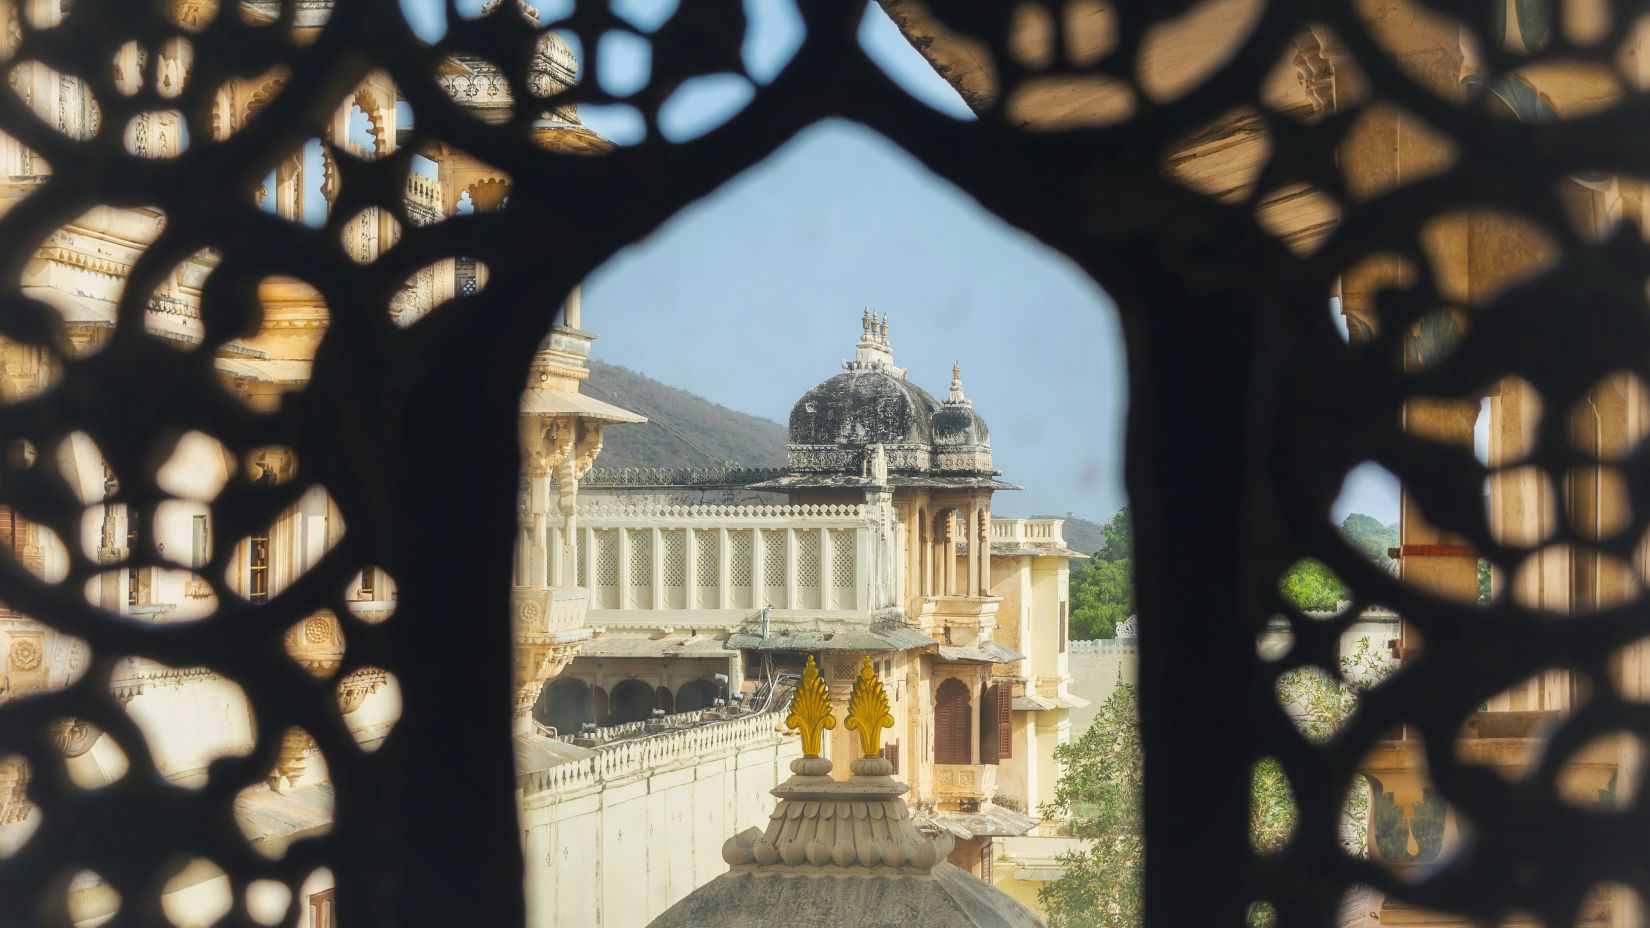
{"points": [[682, 430]]}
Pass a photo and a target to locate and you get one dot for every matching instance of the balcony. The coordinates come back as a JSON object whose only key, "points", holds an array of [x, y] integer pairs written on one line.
{"points": [[556, 615], [964, 620], [1028, 533], [964, 787], [1036, 857]]}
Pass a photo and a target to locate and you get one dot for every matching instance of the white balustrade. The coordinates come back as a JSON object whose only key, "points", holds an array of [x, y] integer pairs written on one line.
{"points": [[1029, 533], [626, 759], [718, 562]]}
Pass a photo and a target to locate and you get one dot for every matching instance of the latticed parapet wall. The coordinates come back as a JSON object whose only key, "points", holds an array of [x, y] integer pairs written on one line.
{"points": [[1222, 167], [726, 559]]}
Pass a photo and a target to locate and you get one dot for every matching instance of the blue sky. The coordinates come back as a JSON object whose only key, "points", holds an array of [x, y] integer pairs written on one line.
{"points": [[754, 294]]}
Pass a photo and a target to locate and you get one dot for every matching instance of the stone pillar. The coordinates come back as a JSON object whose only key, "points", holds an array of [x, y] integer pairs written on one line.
{"points": [[657, 587], [790, 568], [571, 311], [724, 559]]}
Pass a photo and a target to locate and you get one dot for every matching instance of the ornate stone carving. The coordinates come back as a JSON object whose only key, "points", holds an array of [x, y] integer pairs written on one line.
{"points": [[73, 736], [25, 653], [317, 643], [293, 761], [356, 686], [14, 797]]}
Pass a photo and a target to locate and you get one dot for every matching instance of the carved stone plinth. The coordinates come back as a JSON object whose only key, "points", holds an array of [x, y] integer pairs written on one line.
{"points": [[549, 626]]}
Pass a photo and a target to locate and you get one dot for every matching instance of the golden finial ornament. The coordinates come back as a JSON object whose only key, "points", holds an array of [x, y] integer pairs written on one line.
{"points": [[811, 710], [868, 710]]}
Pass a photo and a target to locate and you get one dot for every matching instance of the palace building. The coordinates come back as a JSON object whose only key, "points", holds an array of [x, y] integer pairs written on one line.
{"points": [[875, 543]]}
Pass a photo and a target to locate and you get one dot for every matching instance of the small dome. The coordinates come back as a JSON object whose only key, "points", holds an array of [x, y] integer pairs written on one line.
{"points": [[843, 853], [960, 425], [858, 408]]}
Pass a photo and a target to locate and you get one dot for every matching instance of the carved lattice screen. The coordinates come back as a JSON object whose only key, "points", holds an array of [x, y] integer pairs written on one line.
{"points": [[1248, 408]]}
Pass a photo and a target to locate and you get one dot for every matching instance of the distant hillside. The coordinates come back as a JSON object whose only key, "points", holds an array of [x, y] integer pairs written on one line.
{"points": [[1081, 534], [682, 430]]}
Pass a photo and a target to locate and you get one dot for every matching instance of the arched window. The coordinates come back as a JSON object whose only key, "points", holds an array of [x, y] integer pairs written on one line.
{"points": [[695, 694], [565, 705], [632, 701], [952, 723]]}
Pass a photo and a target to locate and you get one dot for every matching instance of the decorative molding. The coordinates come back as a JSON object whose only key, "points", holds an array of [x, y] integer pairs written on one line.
{"points": [[731, 475]]}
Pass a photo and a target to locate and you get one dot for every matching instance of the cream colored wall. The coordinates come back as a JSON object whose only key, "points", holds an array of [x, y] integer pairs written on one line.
{"points": [[618, 853]]}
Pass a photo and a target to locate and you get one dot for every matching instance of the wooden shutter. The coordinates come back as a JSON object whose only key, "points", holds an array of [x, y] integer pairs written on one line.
{"points": [[890, 751], [988, 724], [1062, 626], [321, 911], [951, 723], [8, 527], [599, 706], [1005, 720]]}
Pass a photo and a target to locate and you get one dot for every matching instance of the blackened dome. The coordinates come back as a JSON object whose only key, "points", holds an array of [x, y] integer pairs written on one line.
{"points": [[863, 407], [956, 424]]}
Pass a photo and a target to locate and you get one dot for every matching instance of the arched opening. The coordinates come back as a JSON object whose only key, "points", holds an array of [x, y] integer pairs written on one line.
{"points": [[925, 585], [565, 705], [632, 701], [695, 695], [952, 725], [664, 700]]}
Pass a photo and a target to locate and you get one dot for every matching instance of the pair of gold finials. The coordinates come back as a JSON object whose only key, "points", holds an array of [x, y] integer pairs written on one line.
{"points": [[867, 710]]}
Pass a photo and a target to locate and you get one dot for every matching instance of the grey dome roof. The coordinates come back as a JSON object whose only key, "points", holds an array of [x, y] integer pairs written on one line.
{"points": [[956, 424], [858, 408]]}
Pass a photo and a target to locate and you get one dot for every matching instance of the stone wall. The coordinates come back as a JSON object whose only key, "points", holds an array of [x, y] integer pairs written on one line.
{"points": [[614, 840]]}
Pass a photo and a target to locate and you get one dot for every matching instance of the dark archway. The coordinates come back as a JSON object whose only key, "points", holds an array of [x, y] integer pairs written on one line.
{"points": [[663, 699], [632, 701], [565, 705], [952, 724], [696, 694]]}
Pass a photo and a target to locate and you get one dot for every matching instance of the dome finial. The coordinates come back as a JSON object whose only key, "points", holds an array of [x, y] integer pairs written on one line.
{"points": [[957, 397], [884, 331]]}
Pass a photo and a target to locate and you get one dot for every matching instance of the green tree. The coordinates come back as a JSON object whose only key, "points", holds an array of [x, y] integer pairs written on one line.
{"points": [[1118, 534], [1312, 587], [1098, 795], [1102, 586]]}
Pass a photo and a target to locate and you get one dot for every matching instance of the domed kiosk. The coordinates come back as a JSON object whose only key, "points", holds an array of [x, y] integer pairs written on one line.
{"points": [[871, 426], [841, 853]]}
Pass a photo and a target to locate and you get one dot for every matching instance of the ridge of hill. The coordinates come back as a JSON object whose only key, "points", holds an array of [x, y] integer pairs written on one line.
{"points": [[1081, 534], [682, 429]]}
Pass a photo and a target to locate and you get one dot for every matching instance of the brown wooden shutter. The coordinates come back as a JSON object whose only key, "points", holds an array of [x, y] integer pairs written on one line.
{"points": [[599, 706], [1062, 626], [988, 724], [1005, 720], [890, 752], [8, 527], [951, 723]]}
